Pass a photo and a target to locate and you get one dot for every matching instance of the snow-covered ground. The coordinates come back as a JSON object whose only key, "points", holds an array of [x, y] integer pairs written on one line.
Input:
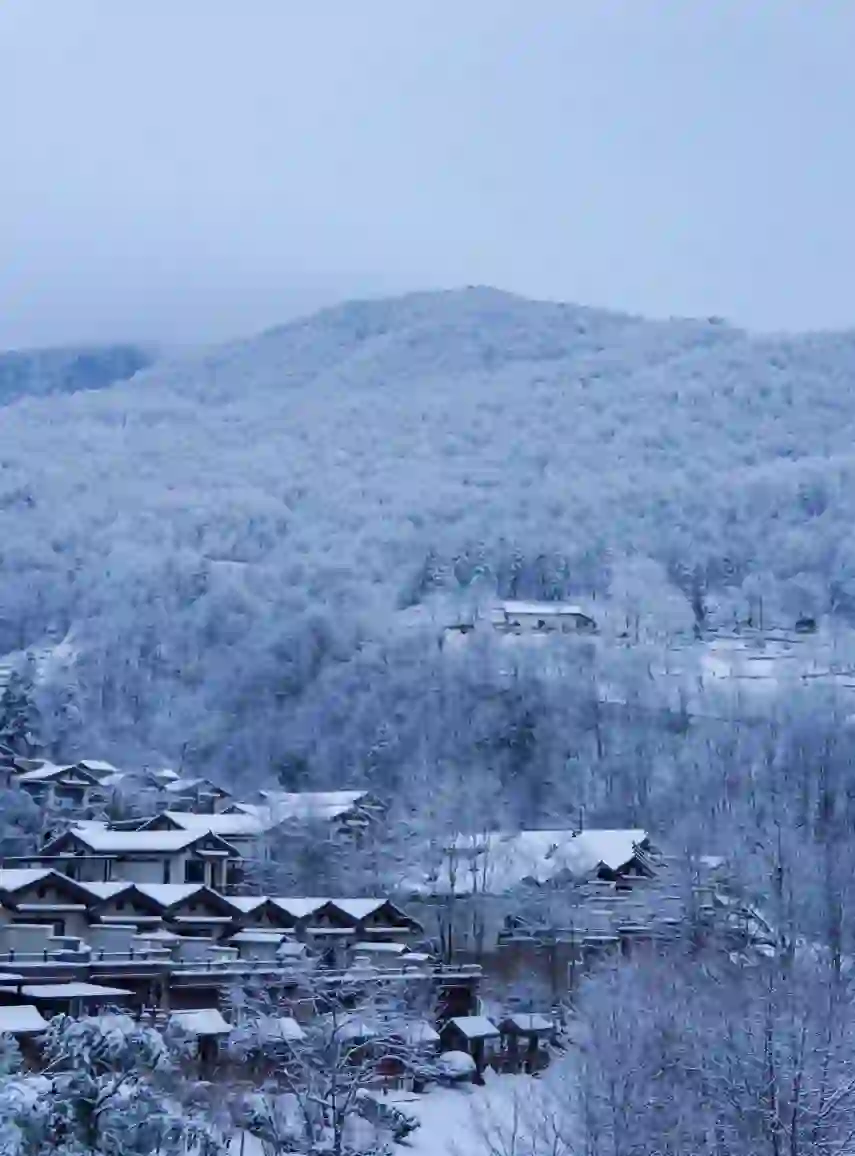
{"points": [[453, 1120]]}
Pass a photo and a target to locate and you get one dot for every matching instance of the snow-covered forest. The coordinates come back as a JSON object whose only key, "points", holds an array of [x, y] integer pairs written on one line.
{"points": [[247, 563], [233, 540]]}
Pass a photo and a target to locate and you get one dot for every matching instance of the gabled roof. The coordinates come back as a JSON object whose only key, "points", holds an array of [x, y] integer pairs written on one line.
{"points": [[298, 908], [248, 903], [170, 896], [176, 786], [18, 878], [13, 882], [106, 842], [107, 890], [50, 773], [224, 825], [98, 766]]}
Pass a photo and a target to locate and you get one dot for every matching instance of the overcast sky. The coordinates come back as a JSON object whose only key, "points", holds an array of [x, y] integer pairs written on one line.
{"points": [[194, 169]]}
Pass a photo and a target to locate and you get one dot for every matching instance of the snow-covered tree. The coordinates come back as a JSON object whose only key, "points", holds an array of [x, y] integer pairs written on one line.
{"points": [[317, 1071], [20, 719], [109, 1087]]}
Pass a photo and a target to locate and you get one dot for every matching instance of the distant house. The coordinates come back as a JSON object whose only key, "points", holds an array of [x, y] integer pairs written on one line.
{"points": [[476, 1036], [497, 862], [542, 617], [242, 831], [72, 787], [340, 810], [195, 794], [99, 855]]}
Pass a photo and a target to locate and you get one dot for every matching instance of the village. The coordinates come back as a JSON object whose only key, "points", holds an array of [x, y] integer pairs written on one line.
{"points": [[158, 916], [149, 893]]}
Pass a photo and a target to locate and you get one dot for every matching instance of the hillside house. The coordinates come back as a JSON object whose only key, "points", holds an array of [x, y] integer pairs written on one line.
{"points": [[344, 811], [72, 788], [542, 617], [95, 854], [195, 794], [242, 831]]}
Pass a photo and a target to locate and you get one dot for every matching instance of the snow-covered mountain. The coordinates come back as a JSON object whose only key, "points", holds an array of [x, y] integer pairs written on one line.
{"points": [[40, 372], [262, 510]]}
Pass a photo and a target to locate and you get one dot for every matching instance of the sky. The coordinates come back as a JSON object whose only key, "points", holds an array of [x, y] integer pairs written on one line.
{"points": [[193, 171]]}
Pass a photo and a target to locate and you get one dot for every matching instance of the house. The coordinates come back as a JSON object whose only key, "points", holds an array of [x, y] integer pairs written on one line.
{"points": [[63, 787], [524, 1039], [44, 896], [195, 794], [190, 909], [94, 854], [332, 926], [477, 1036], [344, 810], [497, 862], [243, 831], [542, 617]]}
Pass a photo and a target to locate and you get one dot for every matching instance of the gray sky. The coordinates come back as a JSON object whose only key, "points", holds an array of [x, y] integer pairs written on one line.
{"points": [[193, 169]]}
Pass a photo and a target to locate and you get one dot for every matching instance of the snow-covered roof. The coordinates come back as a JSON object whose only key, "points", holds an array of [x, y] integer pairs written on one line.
{"points": [[176, 786], [359, 908], [298, 908], [168, 893], [257, 936], [310, 805], [418, 1032], [475, 1027], [247, 903], [46, 772], [201, 1022], [278, 1027], [97, 765], [542, 608], [109, 842], [72, 991], [219, 824], [106, 890], [381, 948], [530, 1022], [496, 861], [613, 848], [21, 1020], [16, 878]]}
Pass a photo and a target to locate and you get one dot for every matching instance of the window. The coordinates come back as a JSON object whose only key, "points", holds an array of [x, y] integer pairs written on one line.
{"points": [[194, 871], [167, 871]]}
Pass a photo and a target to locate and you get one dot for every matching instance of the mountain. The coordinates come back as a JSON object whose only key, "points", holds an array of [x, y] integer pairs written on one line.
{"points": [[37, 372], [257, 516]]}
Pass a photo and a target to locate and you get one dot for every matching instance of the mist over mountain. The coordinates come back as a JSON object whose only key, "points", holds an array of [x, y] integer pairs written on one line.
{"points": [[234, 545], [40, 372]]}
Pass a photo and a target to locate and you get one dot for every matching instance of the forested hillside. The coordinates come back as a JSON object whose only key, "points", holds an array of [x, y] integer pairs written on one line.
{"points": [[238, 547], [40, 372]]}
